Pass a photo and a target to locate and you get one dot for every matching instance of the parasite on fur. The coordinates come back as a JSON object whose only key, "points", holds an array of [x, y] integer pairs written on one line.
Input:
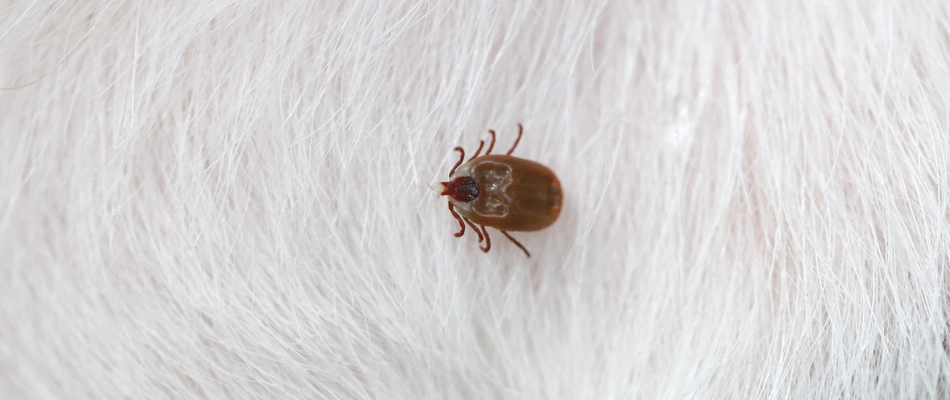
{"points": [[504, 192]]}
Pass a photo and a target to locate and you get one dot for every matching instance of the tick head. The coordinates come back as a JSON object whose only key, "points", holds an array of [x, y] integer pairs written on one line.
{"points": [[462, 189]]}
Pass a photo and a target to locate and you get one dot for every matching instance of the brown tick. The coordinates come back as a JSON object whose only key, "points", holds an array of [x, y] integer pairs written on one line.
{"points": [[504, 192]]}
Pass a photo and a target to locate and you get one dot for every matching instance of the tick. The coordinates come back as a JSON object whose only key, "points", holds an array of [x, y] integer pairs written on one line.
{"points": [[504, 192]]}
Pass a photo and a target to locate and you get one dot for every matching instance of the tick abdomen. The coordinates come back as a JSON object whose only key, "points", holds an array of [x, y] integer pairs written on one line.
{"points": [[514, 194]]}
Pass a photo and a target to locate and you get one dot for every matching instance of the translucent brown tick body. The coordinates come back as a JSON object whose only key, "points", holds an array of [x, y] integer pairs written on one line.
{"points": [[504, 192]]}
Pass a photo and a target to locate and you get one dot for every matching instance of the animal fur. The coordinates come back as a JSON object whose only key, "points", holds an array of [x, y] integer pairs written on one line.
{"points": [[217, 199]]}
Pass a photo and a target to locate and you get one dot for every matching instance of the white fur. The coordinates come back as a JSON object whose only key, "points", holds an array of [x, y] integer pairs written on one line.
{"points": [[228, 200]]}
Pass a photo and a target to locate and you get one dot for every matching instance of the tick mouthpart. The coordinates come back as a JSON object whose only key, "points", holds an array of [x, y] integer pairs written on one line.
{"points": [[437, 187], [463, 189]]}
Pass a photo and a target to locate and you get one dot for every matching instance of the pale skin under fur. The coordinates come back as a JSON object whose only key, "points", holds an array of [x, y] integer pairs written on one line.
{"points": [[226, 200]]}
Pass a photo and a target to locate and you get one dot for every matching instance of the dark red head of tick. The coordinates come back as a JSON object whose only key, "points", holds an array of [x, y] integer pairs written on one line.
{"points": [[463, 189]]}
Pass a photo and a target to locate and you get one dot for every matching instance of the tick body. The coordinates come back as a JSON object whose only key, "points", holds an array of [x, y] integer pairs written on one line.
{"points": [[503, 192]]}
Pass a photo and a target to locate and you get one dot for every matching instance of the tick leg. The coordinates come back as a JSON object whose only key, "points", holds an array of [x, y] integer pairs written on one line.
{"points": [[520, 129], [481, 143], [487, 239], [477, 232], [492, 144], [455, 214], [461, 157], [516, 243]]}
